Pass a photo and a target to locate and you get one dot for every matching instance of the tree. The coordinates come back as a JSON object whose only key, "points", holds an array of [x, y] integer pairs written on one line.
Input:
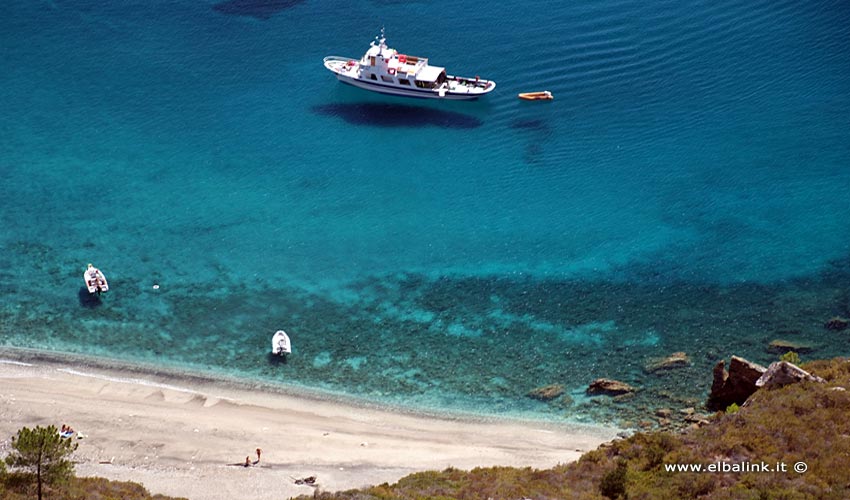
{"points": [[42, 452], [613, 484]]}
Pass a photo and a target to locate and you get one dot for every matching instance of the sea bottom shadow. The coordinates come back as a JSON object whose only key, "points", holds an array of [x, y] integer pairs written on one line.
{"points": [[396, 115], [540, 132], [258, 9], [531, 125], [88, 300], [275, 360]]}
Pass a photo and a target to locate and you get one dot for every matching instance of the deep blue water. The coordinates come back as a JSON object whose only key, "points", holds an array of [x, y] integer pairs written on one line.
{"points": [[687, 190]]}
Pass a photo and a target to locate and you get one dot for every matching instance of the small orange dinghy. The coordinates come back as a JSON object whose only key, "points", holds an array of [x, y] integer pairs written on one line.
{"points": [[537, 96]]}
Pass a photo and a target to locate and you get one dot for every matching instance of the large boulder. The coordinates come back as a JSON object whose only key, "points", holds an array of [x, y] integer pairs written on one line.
{"points": [[609, 387], [675, 360], [734, 386], [836, 323], [782, 373], [779, 346], [547, 392]]}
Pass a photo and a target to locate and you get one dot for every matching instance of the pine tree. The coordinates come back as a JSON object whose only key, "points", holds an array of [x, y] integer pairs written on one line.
{"points": [[44, 453]]}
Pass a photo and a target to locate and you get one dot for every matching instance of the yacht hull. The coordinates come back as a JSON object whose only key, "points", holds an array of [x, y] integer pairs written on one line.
{"points": [[393, 90]]}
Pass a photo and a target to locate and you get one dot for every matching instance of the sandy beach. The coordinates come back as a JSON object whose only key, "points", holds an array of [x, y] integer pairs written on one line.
{"points": [[182, 436]]}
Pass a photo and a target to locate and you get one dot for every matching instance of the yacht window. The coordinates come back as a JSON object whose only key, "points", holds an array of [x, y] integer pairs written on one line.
{"points": [[404, 81], [373, 77], [386, 78]]}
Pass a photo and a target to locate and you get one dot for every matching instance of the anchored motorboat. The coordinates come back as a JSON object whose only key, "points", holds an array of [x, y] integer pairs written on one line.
{"points": [[384, 70], [280, 344], [95, 280]]}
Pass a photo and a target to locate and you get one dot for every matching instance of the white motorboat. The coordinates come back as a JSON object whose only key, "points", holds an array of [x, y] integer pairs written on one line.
{"points": [[384, 70], [95, 280], [280, 344]]}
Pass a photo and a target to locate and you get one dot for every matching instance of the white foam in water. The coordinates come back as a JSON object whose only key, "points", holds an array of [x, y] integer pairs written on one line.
{"points": [[135, 381], [589, 333], [17, 363], [648, 339]]}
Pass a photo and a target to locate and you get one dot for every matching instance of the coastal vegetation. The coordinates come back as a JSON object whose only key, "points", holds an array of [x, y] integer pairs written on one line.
{"points": [[781, 428], [42, 453], [18, 487], [40, 465], [756, 447]]}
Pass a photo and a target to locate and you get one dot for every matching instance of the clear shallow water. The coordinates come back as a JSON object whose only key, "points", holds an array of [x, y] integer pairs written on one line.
{"points": [[686, 191]]}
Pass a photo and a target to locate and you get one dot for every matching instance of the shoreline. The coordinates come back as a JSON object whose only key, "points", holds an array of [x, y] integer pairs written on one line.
{"points": [[193, 377], [179, 434]]}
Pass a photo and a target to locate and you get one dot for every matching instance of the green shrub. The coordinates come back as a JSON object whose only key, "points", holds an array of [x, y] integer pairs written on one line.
{"points": [[790, 357], [613, 484]]}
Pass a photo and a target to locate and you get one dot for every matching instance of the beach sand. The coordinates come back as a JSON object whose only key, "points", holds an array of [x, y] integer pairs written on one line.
{"points": [[179, 435]]}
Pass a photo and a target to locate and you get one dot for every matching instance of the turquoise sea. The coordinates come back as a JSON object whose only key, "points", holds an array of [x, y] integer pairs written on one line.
{"points": [[687, 190]]}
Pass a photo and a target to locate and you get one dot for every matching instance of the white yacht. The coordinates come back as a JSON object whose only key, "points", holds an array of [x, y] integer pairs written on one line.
{"points": [[384, 70]]}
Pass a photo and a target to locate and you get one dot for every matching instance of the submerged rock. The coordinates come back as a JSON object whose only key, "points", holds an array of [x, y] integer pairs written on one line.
{"points": [[547, 392], [734, 386], [783, 346], [609, 387], [836, 323], [675, 360], [699, 420], [782, 373]]}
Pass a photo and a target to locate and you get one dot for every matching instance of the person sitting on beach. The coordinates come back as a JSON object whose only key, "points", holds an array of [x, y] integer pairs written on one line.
{"points": [[66, 431], [248, 461], [259, 452]]}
